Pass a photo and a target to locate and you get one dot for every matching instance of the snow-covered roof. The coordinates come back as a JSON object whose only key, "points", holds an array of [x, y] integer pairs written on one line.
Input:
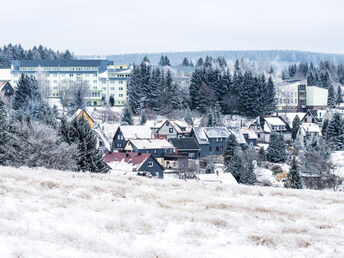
{"points": [[200, 135], [250, 132], [238, 135], [128, 161], [151, 144], [274, 121], [135, 131], [5, 74], [180, 126], [103, 138], [310, 127], [216, 132]]}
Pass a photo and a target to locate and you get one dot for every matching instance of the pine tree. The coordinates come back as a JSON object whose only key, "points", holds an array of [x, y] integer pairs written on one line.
{"points": [[64, 131], [3, 134], [294, 177], [185, 62], [90, 158], [331, 100], [217, 115], [276, 151], [335, 132], [210, 122], [261, 154], [127, 117], [296, 126], [27, 95], [143, 119], [199, 62], [324, 127], [231, 148], [339, 97]]}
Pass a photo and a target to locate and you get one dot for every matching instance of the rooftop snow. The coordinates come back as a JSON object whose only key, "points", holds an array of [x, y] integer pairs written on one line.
{"points": [[310, 127], [274, 121], [216, 132], [151, 144], [135, 131]]}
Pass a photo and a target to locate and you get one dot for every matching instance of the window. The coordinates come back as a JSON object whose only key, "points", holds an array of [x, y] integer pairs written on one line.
{"points": [[95, 81], [104, 88], [221, 148], [120, 88], [112, 82], [94, 87], [119, 145], [217, 148], [259, 135], [120, 95], [71, 75], [112, 88], [121, 82], [217, 139], [150, 164], [170, 130], [192, 155], [112, 95], [167, 123], [155, 151]]}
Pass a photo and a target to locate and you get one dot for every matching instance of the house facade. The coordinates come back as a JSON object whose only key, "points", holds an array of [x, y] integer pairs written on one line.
{"points": [[157, 147], [211, 140], [187, 146], [308, 131], [174, 129], [103, 78], [263, 126], [127, 132], [249, 136], [134, 162]]}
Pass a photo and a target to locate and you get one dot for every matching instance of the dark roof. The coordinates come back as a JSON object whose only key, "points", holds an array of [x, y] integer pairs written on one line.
{"points": [[187, 143], [62, 63]]}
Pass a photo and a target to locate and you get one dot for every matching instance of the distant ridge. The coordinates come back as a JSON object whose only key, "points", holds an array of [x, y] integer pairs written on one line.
{"points": [[287, 56]]}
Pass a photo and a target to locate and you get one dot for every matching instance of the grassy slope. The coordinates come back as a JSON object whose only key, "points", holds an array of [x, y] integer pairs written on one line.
{"points": [[57, 214]]}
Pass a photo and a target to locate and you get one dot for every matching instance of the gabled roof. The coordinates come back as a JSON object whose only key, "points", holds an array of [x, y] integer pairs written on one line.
{"points": [[77, 113], [216, 132], [316, 114], [251, 135], [310, 128], [290, 116], [150, 144], [275, 121], [237, 133], [187, 143], [103, 138], [179, 125], [200, 135], [135, 131], [4, 83], [135, 159]]}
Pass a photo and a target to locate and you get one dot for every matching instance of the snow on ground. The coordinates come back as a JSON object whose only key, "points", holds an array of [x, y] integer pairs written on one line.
{"points": [[59, 214]]}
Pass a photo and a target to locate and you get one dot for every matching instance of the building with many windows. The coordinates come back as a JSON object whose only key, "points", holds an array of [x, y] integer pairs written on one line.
{"points": [[103, 77]]}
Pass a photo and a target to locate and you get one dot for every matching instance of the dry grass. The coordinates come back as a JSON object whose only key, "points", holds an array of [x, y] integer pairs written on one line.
{"points": [[58, 214]]}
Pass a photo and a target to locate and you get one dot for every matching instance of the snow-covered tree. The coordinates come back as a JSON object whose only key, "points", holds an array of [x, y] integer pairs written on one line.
{"points": [[143, 118], [331, 99], [188, 117], [276, 150], [294, 179], [90, 157], [127, 117], [339, 96], [335, 132], [296, 126]]}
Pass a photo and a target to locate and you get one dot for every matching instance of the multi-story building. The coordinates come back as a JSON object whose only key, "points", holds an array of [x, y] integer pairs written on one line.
{"points": [[103, 78]]}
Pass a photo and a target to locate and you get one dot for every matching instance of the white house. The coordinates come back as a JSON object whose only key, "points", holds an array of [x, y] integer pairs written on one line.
{"points": [[311, 129]]}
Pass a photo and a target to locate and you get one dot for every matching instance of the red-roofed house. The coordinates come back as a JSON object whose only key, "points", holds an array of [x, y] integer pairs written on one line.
{"points": [[134, 162]]}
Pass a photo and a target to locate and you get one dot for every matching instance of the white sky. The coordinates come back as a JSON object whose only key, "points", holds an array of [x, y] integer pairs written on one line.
{"points": [[137, 26]]}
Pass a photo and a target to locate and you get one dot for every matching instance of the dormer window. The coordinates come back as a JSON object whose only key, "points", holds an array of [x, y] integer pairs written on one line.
{"points": [[167, 123]]}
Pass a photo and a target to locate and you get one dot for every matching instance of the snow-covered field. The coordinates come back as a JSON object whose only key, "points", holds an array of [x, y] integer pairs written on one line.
{"points": [[58, 214]]}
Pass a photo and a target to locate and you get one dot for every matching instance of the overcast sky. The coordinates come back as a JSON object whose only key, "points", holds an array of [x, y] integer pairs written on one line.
{"points": [[142, 26]]}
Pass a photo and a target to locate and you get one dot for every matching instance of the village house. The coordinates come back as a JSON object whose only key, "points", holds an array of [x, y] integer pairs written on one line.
{"points": [[173, 129], [6, 89], [211, 140], [314, 116], [128, 132], [308, 130], [236, 131], [250, 136], [157, 147], [187, 146], [134, 162], [263, 126]]}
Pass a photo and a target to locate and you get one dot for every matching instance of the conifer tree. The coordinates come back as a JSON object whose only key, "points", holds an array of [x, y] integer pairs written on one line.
{"points": [[210, 122], [231, 148], [199, 62], [3, 134], [112, 101], [127, 117], [185, 62], [294, 177], [335, 132], [276, 150], [261, 154], [296, 126], [90, 158], [324, 127], [331, 100], [339, 97], [143, 119]]}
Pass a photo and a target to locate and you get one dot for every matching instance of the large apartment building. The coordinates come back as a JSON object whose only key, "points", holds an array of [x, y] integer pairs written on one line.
{"points": [[103, 77]]}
